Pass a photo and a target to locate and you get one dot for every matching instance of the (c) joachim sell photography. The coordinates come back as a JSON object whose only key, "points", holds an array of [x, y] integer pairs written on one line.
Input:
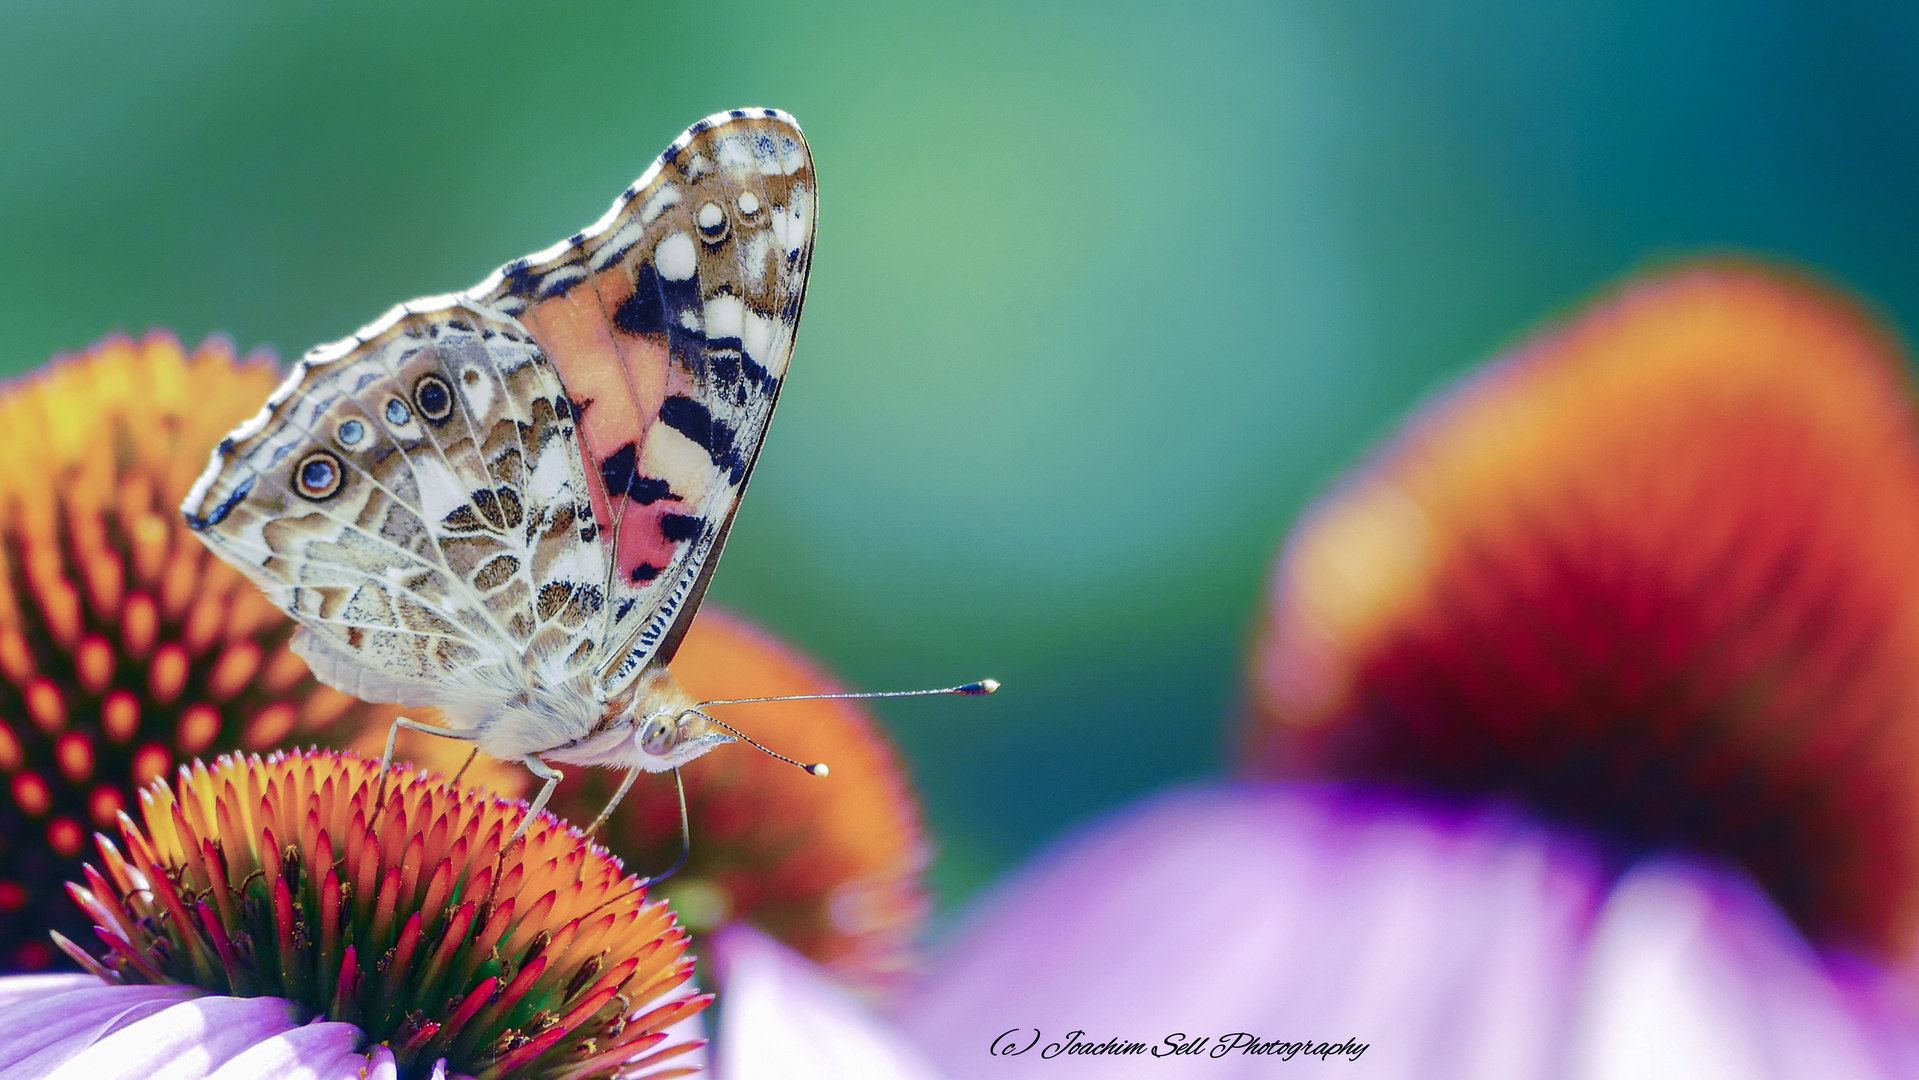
{"points": [[1365, 540]]}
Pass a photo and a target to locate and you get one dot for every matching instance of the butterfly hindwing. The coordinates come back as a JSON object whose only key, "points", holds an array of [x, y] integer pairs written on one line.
{"points": [[410, 496], [527, 484]]}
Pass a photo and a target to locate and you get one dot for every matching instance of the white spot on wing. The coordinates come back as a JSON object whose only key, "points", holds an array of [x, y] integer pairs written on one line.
{"points": [[749, 203], [657, 203], [791, 156], [723, 316], [790, 221], [754, 261], [676, 258], [441, 492], [679, 461], [735, 155], [624, 237], [478, 389], [756, 333]]}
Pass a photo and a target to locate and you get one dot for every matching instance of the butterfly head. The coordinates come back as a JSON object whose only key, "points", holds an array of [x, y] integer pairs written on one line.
{"points": [[669, 729], [673, 739]]}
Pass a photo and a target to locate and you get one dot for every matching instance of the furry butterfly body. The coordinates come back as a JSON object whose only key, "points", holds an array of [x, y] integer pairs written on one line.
{"points": [[507, 502]]}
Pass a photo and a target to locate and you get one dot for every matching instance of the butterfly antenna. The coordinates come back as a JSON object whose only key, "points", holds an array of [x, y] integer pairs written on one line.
{"points": [[971, 689], [818, 768]]}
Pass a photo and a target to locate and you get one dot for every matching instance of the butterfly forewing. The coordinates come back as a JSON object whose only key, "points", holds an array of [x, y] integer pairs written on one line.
{"points": [[529, 482], [671, 322]]}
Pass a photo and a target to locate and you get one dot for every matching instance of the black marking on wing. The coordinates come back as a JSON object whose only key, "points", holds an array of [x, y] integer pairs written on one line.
{"points": [[691, 419], [643, 312], [621, 475], [220, 512], [680, 527], [646, 572]]}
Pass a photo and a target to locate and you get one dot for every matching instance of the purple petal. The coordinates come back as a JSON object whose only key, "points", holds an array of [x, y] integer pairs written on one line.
{"points": [[38, 1034], [16, 988], [317, 1051], [1449, 944], [185, 1042], [786, 1018], [1694, 973]]}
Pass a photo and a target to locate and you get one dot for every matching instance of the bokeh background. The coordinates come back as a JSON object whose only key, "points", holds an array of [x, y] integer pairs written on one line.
{"points": [[1104, 292]]}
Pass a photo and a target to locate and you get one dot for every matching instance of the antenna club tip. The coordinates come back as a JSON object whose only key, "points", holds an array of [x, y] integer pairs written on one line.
{"points": [[984, 686], [818, 768]]}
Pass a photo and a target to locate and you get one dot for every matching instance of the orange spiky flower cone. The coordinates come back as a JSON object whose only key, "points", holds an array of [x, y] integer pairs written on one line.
{"points": [[1655, 573], [400, 905], [124, 645]]}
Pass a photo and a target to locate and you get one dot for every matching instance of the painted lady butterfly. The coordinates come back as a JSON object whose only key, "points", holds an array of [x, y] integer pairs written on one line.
{"points": [[507, 502]]}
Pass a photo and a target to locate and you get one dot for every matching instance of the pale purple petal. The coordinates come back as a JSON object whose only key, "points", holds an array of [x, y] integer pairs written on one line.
{"points": [[14, 988], [185, 1042], [1695, 974], [1449, 944], [786, 1018], [317, 1051], [38, 1034]]}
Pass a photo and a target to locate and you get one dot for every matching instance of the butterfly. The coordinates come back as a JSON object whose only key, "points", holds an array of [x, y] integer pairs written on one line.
{"points": [[507, 502]]}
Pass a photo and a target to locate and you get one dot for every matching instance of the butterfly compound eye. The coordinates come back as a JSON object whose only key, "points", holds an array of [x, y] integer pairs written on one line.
{"points": [[660, 735], [434, 397], [318, 476]]}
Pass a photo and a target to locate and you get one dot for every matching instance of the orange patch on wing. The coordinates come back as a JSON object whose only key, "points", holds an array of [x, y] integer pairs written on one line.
{"points": [[1656, 572], [577, 337], [644, 358]]}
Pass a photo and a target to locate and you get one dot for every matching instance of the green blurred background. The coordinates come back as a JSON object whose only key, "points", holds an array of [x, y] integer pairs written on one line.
{"points": [[1103, 293]]}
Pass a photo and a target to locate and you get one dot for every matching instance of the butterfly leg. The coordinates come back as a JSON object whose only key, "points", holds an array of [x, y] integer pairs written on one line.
{"points": [[465, 765], [546, 772], [393, 734], [386, 759], [626, 785]]}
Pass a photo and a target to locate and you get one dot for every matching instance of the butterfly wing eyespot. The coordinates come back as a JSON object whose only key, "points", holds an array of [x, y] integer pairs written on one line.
{"points": [[434, 397], [351, 433], [712, 222], [319, 476], [397, 413]]}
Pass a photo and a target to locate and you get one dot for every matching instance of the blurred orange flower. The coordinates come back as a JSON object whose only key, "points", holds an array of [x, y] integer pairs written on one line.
{"points": [[124, 646], [1655, 573]]}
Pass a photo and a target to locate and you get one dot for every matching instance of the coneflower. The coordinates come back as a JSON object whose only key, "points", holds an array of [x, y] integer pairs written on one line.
{"points": [[312, 891], [124, 646], [1652, 574]]}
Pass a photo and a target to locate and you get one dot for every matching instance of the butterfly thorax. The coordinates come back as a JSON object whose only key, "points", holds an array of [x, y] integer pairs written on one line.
{"points": [[564, 721]]}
